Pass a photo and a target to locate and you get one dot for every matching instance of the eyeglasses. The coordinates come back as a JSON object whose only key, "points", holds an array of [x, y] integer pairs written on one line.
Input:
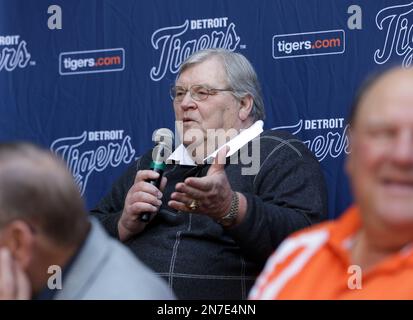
{"points": [[197, 92]]}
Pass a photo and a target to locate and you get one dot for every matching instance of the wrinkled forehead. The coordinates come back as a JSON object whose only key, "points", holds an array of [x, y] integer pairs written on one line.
{"points": [[210, 72], [389, 99]]}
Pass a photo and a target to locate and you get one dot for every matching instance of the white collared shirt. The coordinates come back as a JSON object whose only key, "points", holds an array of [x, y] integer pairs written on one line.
{"points": [[182, 156]]}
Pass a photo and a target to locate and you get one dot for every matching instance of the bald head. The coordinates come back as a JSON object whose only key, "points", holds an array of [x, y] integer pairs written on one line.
{"points": [[35, 186], [380, 164], [394, 82]]}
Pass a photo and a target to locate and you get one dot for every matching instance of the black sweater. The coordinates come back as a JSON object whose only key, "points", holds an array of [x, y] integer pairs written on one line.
{"points": [[198, 257]]}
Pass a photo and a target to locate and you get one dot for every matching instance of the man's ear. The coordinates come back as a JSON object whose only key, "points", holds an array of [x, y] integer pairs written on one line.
{"points": [[246, 104], [19, 238]]}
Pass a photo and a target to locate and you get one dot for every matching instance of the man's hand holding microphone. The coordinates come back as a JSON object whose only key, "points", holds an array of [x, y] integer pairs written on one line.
{"points": [[143, 200]]}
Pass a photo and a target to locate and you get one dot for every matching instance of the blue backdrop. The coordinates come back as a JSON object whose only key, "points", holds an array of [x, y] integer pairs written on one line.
{"points": [[96, 89]]}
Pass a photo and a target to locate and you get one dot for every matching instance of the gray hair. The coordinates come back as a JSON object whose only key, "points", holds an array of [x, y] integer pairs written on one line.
{"points": [[36, 187], [241, 76], [366, 85]]}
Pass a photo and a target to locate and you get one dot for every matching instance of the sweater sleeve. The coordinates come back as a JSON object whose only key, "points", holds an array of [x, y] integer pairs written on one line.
{"points": [[289, 194]]}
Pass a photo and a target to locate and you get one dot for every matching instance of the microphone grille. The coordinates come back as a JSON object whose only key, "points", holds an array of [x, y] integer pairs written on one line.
{"points": [[162, 133], [163, 136]]}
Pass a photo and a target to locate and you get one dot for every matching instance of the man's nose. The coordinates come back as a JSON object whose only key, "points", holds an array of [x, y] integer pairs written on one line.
{"points": [[188, 101], [402, 151]]}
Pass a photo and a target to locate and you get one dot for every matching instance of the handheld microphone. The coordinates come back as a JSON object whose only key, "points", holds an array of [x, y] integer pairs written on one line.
{"points": [[160, 153]]}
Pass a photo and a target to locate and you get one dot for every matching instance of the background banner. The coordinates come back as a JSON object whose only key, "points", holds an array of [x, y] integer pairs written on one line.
{"points": [[89, 79]]}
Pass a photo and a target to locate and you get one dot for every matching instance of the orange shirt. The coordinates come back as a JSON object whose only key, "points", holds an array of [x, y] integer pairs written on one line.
{"points": [[315, 264]]}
